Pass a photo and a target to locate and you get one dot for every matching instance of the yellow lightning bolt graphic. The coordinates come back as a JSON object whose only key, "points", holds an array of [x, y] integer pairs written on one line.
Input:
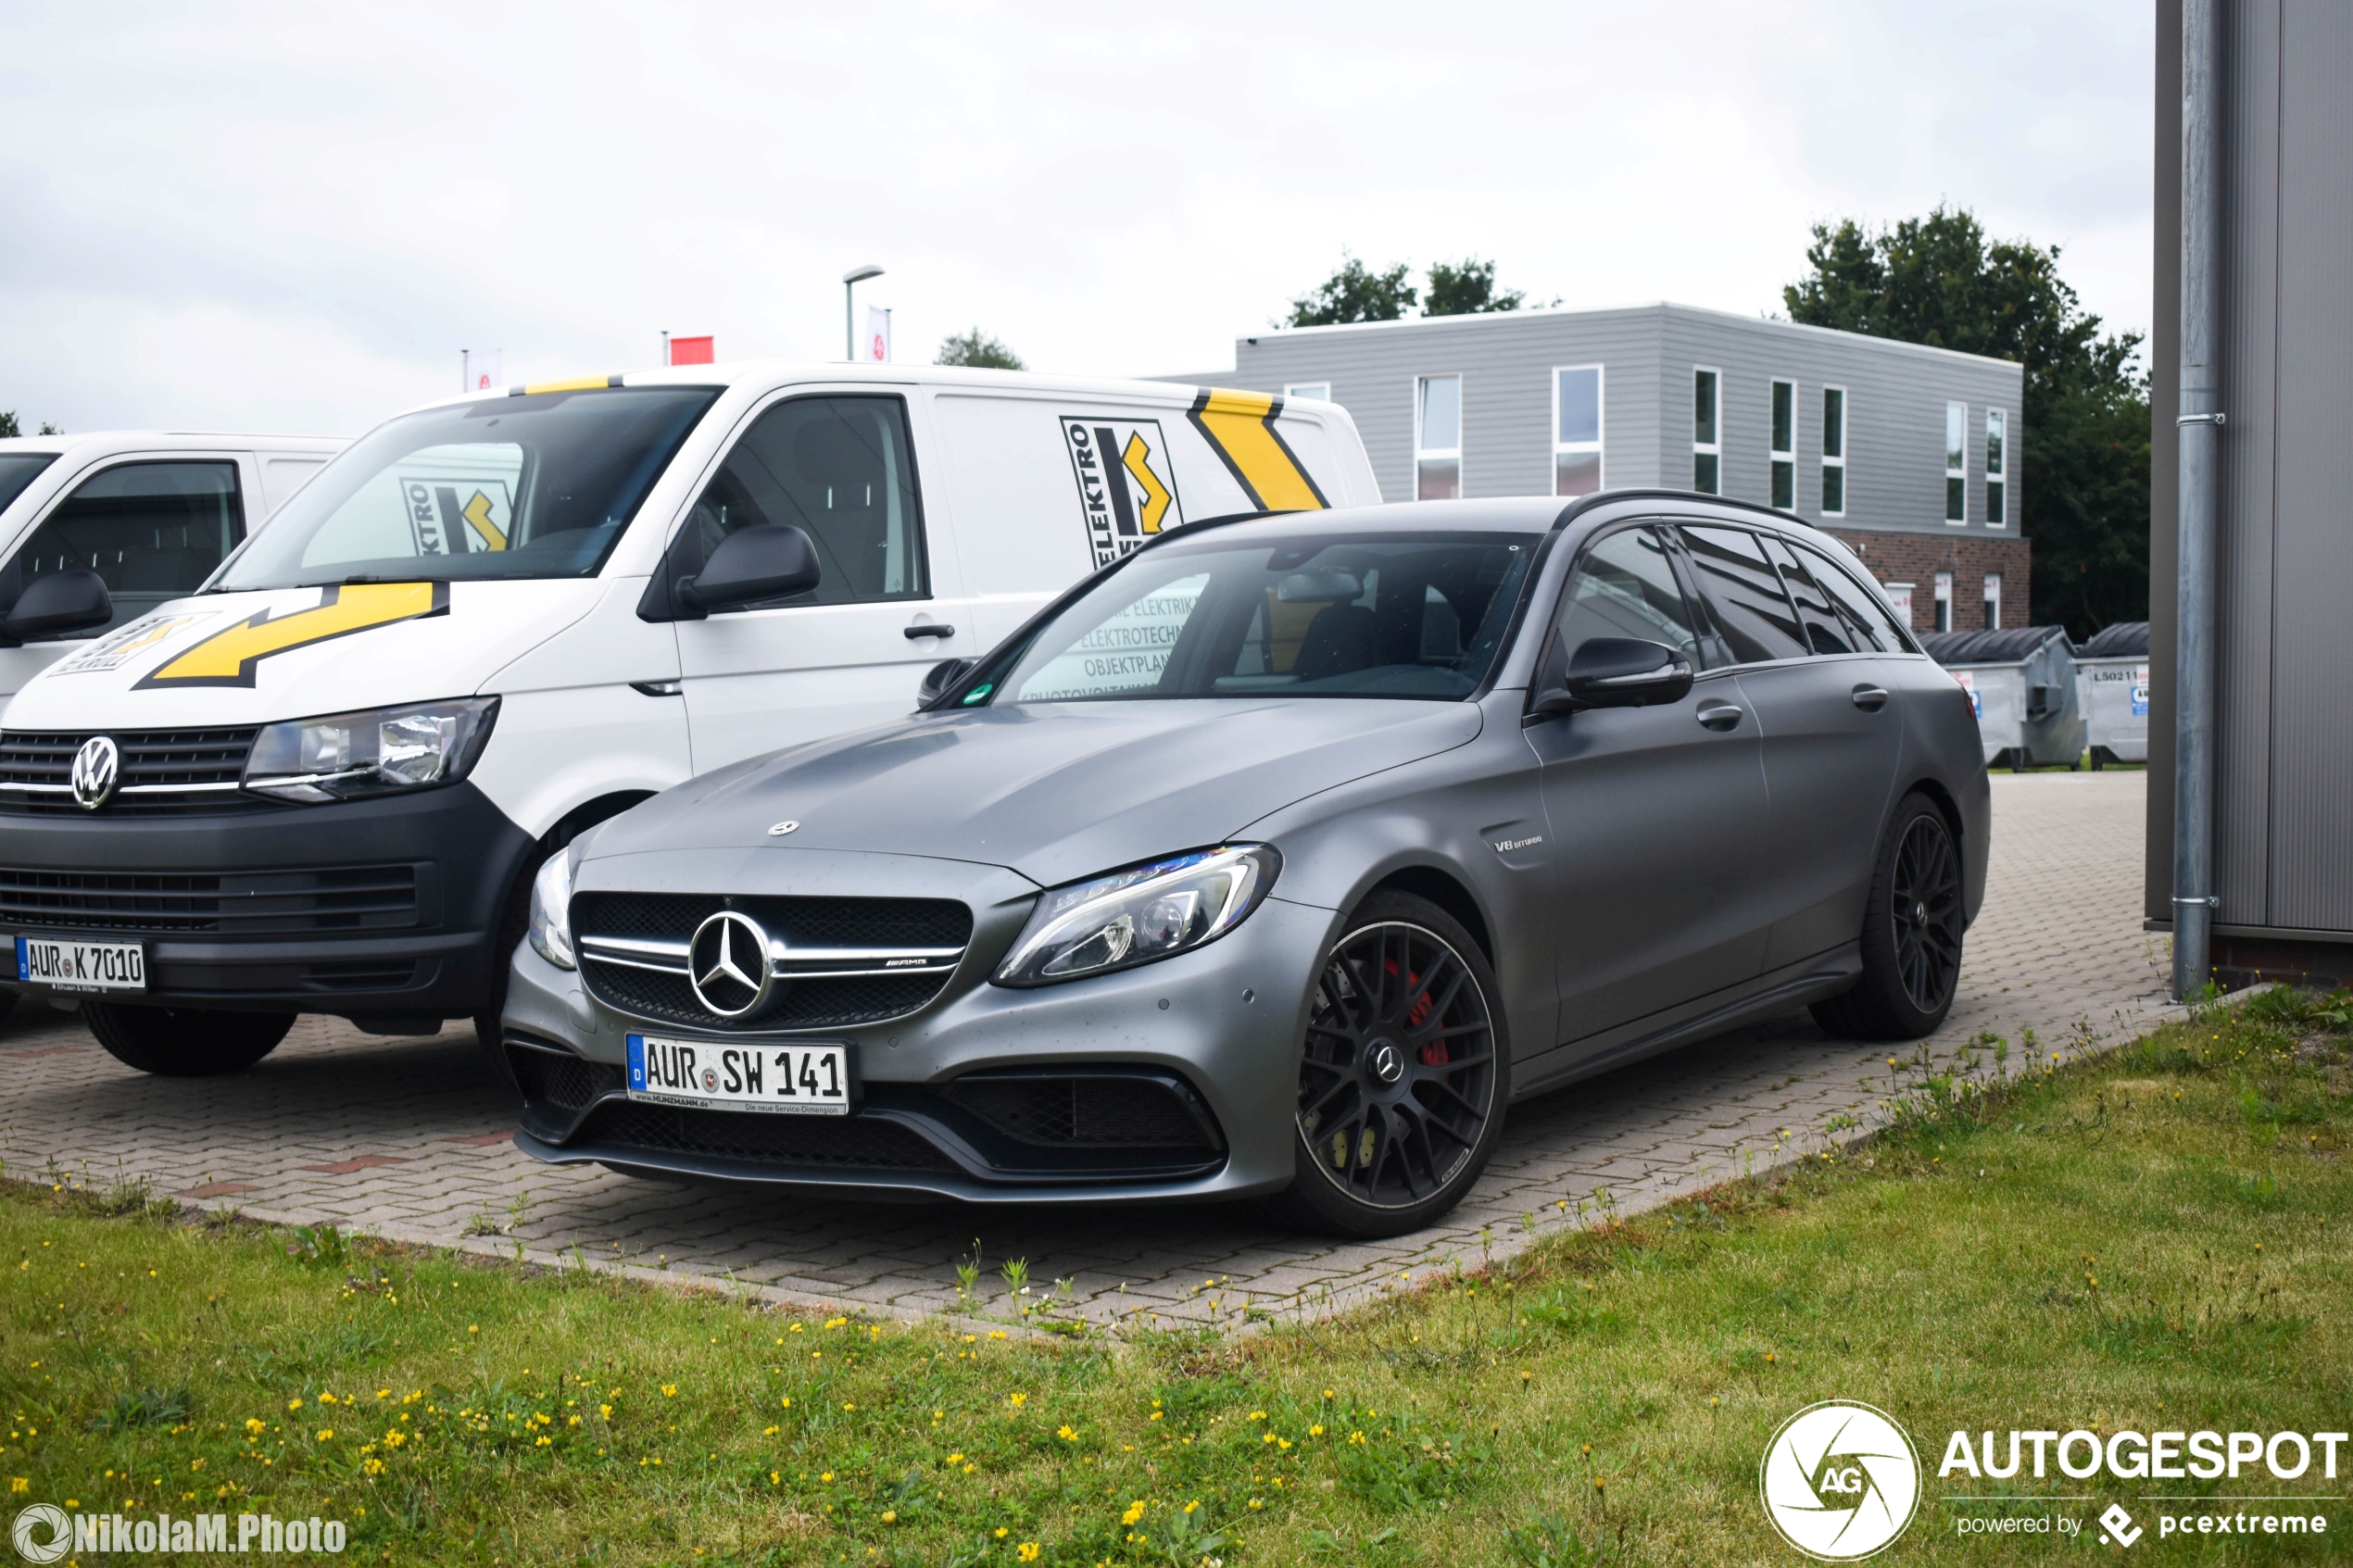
{"points": [[229, 658], [478, 513], [1138, 456]]}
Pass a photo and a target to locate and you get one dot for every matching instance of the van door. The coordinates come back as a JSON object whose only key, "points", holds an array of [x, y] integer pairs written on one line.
{"points": [[152, 530], [843, 467]]}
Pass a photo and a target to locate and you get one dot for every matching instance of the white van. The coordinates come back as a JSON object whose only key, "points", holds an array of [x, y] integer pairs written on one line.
{"points": [[151, 513], [323, 782]]}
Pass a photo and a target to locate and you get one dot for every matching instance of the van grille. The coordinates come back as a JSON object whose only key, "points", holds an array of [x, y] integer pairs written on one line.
{"points": [[163, 772], [244, 904]]}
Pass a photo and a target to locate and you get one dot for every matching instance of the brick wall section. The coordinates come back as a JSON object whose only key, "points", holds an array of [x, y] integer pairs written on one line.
{"points": [[2240, 962], [1918, 557]]}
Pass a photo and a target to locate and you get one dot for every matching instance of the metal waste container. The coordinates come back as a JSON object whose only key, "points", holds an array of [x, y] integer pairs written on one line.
{"points": [[2022, 681], [2112, 676]]}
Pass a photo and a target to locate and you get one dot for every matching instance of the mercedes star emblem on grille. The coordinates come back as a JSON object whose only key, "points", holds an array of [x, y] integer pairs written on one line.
{"points": [[95, 768], [727, 964]]}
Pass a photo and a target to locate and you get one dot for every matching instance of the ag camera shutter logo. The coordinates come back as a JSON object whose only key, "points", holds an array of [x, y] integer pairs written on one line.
{"points": [[1840, 1480]]}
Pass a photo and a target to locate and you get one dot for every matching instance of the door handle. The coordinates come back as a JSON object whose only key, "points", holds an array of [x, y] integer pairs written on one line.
{"points": [[1870, 699], [930, 628], [1718, 715]]}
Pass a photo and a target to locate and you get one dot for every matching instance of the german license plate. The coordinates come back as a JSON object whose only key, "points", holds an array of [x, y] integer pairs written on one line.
{"points": [[66, 965], [796, 1080]]}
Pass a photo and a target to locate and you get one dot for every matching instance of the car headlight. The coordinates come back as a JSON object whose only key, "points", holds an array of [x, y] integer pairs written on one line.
{"points": [[1141, 914], [551, 911], [382, 751]]}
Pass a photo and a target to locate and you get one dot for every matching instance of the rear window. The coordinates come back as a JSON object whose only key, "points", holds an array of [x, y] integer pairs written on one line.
{"points": [[505, 487]]}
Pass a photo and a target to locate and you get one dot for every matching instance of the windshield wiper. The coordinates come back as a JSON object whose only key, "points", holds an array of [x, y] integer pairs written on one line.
{"points": [[357, 578]]}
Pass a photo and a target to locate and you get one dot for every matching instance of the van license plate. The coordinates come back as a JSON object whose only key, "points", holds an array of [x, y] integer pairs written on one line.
{"points": [[796, 1080], [82, 966]]}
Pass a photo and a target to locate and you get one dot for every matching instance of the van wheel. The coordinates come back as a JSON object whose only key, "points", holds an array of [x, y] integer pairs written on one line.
{"points": [[1403, 1077], [1912, 926], [184, 1042]]}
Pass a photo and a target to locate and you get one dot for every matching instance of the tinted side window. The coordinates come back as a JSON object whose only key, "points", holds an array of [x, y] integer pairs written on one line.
{"points": [[1826, 629], [841, 469], [1744, 593], [151, 530], [1624, 587], [1864, 609]]}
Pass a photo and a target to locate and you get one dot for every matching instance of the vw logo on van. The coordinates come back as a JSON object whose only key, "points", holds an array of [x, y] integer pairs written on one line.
{"points": [[96, 767], [727, 964]]}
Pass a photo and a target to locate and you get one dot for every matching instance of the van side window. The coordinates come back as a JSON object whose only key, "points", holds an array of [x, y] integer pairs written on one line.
{"points": [[1624, 587], [842, 470], [152, 531], [1744, 593], [1816, 611]]}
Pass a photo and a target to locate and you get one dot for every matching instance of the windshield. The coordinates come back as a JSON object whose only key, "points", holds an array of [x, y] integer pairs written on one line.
{"points": [[502, 488], [1383, 615], [18, 469]]}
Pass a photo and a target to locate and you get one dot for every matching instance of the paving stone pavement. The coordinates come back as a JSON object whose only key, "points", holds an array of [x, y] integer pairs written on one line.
{"points": [[407, 1139]]}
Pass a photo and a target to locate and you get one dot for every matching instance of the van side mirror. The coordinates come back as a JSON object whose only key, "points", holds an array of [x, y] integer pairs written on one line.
{"points": [[941, 679], [1617, 672], [768, 560], [63, 601]]}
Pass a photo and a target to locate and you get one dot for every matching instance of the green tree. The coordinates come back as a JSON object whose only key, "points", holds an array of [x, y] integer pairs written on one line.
{"points": [[2083, 482], [8, 426], [1467, 290], [1354, 293], [978, 350]]}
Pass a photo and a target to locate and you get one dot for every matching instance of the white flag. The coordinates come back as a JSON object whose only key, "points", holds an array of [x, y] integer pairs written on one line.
{"points": [[480, 368], [876, 348]]}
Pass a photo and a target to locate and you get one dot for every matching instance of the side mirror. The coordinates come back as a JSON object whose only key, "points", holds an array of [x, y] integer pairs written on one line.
{"points": [[63, 601], [1618, 672], [768, 560], [941, 678]]}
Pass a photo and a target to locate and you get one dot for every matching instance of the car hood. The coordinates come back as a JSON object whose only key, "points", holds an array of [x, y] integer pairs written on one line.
{"points": [[287, 653], [1053, 791]]}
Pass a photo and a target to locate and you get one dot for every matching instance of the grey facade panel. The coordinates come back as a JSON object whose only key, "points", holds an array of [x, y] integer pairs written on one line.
{"points": [[2312, 861], [1896, 394]]}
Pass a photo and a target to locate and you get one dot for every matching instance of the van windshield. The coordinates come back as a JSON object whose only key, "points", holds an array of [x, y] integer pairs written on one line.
{"points": [[539, 485], [18, 469], [1381, 615]]}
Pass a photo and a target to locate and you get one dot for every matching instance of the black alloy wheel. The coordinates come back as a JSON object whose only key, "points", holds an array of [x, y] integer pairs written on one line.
{"points": [[1402, 1074], [1912, 930]]}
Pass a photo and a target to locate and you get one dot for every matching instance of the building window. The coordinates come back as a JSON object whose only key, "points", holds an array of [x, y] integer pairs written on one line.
{"points": [[1899, 596], [1438, 438], [1956, 462], [1945, 601], [1319, 390], [1993, 601], [1834, 451], [1576, 429], [1707, 446], [1783, 455], [1998, 468]]}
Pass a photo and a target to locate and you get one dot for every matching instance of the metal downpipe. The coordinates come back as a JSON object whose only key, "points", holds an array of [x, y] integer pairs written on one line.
{"points": [[2200, 430]]}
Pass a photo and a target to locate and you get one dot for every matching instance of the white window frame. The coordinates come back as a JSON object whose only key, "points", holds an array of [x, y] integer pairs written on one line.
{"points": [[1955, 412], [1599, 446], [1994, 476], [1899, 598], [1838, 462], [1994, 601], [1319, 390], [1454, 452], [1942, 619], [1775, 456], [1702, 448]]}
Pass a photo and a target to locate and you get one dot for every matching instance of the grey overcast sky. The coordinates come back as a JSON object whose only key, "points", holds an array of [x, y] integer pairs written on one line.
{"points": [[293, 217]]}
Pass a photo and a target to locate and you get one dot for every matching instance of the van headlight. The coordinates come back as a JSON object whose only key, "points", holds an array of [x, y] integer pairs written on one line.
{"points": [[1139, 915], [551, 911], [382, 751]]}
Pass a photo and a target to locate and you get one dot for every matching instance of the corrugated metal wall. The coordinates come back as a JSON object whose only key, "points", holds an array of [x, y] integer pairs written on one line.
{"points": [[1896, 394]]}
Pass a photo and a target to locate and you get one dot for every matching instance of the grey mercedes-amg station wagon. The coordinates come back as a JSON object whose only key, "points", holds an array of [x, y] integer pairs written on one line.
{"points": [[1274, 860]]}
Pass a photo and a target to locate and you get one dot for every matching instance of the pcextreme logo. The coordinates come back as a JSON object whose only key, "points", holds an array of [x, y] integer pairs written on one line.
{"points": [[1840, 1480]]}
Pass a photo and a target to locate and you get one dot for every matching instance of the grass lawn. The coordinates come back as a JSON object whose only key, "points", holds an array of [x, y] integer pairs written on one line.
{"points": [[2154, 1240]]}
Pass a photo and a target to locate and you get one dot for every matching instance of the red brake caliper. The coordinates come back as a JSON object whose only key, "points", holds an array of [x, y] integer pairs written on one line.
{"points": [[1434, 1053]]}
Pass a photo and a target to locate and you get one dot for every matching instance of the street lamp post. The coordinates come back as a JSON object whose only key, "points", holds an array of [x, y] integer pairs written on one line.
{"points": [[850, 281]]}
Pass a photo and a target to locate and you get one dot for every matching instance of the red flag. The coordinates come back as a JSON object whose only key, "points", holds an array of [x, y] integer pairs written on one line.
{"points": [[690, 351]]}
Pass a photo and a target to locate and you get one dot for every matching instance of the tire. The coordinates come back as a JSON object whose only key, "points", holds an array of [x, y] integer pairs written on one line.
{"points": [[8, 1001], [1403, 975], [184, 1042], [1912, 928], [513, 922]]}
